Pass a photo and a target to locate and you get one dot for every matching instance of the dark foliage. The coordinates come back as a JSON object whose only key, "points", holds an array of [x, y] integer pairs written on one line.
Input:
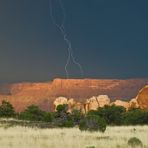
{"points": [[62, 108], [135, 142], [62, 118], [34, 113], [76, 116], [113, 115], [136, 117], [6, 109], [92, 123]]}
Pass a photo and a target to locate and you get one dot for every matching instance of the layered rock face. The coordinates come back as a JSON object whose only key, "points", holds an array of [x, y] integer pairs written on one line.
{"points": [[43, 94], [142, 98], [86, 88]]}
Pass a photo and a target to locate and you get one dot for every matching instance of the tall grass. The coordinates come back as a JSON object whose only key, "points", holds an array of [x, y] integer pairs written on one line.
{"points": [[25, 137]]}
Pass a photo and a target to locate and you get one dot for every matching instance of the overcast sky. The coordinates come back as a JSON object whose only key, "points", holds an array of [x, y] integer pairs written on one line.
{"points": [[109, 39]]}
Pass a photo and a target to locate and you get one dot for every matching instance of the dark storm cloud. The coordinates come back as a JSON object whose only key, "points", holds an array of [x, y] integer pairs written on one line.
{"points": [[109, 38]]}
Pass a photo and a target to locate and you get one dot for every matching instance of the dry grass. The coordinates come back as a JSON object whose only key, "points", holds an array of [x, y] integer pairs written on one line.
{"points": [[24, 137]]}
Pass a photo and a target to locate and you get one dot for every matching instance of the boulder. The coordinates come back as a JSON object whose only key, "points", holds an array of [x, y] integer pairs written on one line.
{"points": [[103, 100], [60, 101], [133, 103], [95, 102], [71, 104], [121, 103], [91, 104], [79, 106], [142, 98]]}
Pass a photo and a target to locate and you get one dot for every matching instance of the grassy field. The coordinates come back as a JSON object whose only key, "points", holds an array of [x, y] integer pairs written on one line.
{"points": [[27, 137]]}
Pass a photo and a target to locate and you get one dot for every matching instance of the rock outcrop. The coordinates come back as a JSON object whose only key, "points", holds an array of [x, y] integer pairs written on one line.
{"points": [[91, 104], [22, 95], [121, 103], [103, 100], [60, 101], [142, 98], [133, 103], [72, 104], [94, 103]]}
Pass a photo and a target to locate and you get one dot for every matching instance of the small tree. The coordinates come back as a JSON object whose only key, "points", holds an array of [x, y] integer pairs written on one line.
{"points": [[112, 114], [6, 109], [47, 117], [135, 117], [76, 116], [62, 118], [62, 108], [62, 112], [92, 123], [34, 113]]}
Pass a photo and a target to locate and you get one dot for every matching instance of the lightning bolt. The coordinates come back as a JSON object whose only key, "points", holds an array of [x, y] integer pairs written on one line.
{"points": [[61, 28]]}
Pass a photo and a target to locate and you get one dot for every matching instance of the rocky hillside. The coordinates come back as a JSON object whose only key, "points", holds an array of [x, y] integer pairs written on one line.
{"points": [[142, 98], [43, 94]]}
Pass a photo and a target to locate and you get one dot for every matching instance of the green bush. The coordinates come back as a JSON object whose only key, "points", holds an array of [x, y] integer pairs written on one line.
{"points": [[63, 121], [76, 116], [135, 142], [61, 112], [136, 117], [62, 108], [113, 115], [93, 112], [68, 123], [47, 117], [62, 118], [6, 109], [33, 113], [92, 123]]}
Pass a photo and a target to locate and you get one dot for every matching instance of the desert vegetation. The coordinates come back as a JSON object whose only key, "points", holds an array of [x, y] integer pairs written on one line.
{"points": [[94, 120], [109, 126]]}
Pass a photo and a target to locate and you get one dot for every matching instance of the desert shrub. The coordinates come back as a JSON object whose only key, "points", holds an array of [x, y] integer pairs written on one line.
{"points": [[135, 142], [76, 116], [112, 114], [47, 117], [6, 109], [34, 113], [61, 112], [90, 147], [92, 123], [63, 121], [93, 112], [68, 123], [62, 108], [62, 118], [135, 117]]}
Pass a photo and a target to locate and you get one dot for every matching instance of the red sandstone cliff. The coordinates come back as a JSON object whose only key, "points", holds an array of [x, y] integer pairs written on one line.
{"points": [[43, 94], [142, 98]]}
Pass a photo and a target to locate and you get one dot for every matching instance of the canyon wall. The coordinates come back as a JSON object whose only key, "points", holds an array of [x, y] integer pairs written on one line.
{"points": [[43, 94]]}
